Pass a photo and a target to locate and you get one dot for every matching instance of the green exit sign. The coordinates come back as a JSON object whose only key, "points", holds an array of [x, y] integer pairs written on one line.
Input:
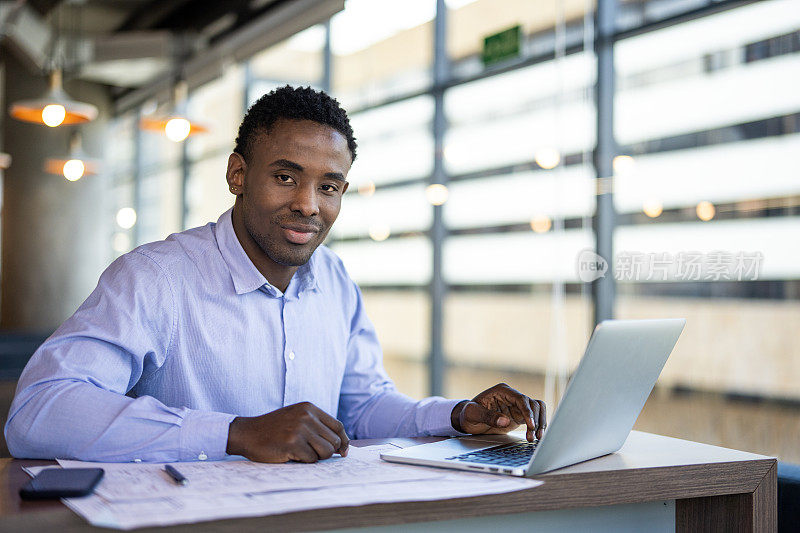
{"points": [[502, 46]]}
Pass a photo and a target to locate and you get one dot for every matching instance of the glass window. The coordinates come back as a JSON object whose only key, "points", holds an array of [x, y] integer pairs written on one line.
{"points": [[402, 322], [383, 213], [708, 207], [161, 204], [510, 118], [707, 119], [296, 60], [221, 104], [392, 275], [120, 161], [207, 195], [521, 198], [381, 49], [218, 105], [471, 21], [395, 143], [403, 261]]}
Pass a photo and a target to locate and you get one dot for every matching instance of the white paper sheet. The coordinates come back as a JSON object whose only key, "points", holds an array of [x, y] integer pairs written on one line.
{"points": [[149, 480], [138, 494]]}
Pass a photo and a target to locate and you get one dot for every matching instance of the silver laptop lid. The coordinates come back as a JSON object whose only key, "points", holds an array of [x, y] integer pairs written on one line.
{"points": [[607, 391]]}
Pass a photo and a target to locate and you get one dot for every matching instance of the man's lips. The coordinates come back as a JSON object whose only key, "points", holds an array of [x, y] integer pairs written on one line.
{"points": [[299, 233]]}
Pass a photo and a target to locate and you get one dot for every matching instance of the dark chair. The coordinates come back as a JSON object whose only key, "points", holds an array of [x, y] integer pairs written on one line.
{"points": [[15, 350], [788, 497]]}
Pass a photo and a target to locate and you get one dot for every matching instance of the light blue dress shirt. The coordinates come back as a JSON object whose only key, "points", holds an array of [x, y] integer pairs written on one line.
{"points": [[183, 335]]}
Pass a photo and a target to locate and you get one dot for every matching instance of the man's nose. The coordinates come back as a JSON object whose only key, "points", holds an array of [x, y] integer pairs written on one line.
{"points": [[305, 201]]}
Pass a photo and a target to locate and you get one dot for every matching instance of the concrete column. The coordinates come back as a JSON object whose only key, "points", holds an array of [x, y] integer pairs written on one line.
{"points": [[55, 234]]}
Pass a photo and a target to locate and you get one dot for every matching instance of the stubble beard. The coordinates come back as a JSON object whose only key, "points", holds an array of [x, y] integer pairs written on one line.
{"points": [[282, 253]]}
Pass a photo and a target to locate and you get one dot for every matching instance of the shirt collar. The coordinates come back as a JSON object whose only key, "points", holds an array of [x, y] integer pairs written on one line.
{"points": [[246, 277]]}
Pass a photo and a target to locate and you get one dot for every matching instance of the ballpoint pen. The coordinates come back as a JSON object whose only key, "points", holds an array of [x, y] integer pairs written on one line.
{"points": [[174, 474]]}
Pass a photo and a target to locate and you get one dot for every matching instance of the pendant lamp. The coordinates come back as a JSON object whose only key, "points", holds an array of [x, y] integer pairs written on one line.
{"points": [[177, 126], [55, 108], [74, 166]]}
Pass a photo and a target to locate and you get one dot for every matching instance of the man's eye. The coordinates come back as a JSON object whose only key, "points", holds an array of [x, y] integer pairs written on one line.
{"points": [[329, 188], [284, 178]]}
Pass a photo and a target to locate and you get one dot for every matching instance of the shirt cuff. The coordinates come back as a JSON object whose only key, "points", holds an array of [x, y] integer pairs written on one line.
{"points": [[438, 418], [204, 436]]}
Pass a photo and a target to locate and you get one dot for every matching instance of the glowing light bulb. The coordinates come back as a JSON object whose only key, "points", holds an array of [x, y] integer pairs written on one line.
{"points": [[547, 158], [653, 208], [73, 169], [177, 129], [436, 193], [126, 217], [379, 232], [366, 189], [623, 164], [53, 115], [541, 223], [706, 211]]}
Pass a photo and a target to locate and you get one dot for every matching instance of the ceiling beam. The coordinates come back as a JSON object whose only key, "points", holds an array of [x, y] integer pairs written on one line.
{"points": [[279, 23], [151, 14], [24, 31]]}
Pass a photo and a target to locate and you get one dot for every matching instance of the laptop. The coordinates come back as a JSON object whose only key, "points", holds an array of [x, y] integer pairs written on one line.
{"points": [[600, 405]]}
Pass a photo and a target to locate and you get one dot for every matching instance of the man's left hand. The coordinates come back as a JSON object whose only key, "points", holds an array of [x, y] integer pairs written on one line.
{"points": [[499, 410]]}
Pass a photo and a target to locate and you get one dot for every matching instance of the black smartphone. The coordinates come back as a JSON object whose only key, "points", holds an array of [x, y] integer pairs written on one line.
{"points": [[62, 483]]}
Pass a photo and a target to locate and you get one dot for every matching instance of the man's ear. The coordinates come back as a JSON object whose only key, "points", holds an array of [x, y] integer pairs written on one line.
{"points": [[237, 167]]}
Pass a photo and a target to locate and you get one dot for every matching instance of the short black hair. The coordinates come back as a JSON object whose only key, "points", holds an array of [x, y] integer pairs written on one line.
{"points": [[292, 103]]}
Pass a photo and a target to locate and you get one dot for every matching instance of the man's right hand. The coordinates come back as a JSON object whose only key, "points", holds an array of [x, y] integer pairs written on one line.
{"points": [[300, 432]]}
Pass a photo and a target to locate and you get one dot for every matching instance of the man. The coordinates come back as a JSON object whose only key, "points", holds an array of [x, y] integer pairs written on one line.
{"points": [[243, 337]]}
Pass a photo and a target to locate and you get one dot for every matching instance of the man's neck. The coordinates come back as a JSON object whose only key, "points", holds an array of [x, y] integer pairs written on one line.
{"points": [[277, 275]]}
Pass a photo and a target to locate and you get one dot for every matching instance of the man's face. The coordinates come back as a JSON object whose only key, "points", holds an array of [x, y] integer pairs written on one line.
{"points": [[293, 187]]}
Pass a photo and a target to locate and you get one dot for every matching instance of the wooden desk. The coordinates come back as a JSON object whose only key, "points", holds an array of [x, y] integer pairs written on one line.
{"points": [[710, 489]]}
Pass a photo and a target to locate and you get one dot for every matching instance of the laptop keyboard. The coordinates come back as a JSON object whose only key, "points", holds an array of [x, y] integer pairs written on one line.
{"points": [[513, 454]]}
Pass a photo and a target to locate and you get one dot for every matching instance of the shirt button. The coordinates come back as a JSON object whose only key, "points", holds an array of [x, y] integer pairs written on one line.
{"points": [[291, 356], [202, 456], [137, 460]]}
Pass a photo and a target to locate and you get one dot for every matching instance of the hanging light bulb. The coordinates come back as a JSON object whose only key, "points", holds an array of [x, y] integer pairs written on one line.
{"points": [[652, 208], [623, 164], [366, 189], [126, 217], [379, 232], [176, 127], [73, 169], [5, 160], [547, 158], [53, 115], [705, 210], [541, 223], [436, 193], [55, 108], [76, 165]]}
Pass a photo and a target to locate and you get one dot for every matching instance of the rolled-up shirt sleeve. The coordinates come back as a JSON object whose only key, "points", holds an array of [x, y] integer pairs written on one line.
{"points": [[71, 398], [369, 404]]}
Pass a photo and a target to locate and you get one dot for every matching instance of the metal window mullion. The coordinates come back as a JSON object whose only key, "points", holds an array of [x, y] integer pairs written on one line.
{"points": [[603, 289], [138, 165], [327, 60], [438, 230]]}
